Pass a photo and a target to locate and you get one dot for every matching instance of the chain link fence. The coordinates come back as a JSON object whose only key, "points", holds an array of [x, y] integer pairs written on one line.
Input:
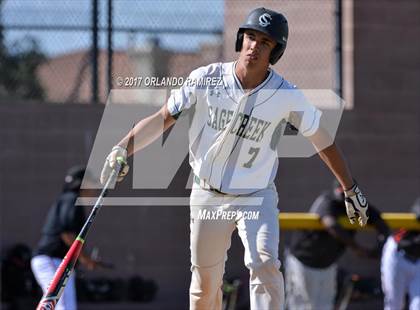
{"points": [[48, 50], [185, 34]]}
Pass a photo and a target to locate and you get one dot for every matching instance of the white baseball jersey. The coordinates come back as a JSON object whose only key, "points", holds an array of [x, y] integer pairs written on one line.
{"points": [[234, 134]]}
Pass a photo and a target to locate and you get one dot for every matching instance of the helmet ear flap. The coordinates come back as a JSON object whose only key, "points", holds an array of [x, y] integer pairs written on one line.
{"points": [[239, 40], [276, 53]]}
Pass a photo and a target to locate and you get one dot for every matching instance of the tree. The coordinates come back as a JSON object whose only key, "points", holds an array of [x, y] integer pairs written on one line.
{"points": [[18, 66]]}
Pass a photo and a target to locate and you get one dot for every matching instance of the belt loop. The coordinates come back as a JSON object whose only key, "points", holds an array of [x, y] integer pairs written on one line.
{"points": [[204, 185], [201, 182]]}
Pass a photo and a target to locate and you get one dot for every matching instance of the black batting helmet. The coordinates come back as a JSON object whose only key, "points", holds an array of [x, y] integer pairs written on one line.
{"points": [[74, 178], [272, 24]]}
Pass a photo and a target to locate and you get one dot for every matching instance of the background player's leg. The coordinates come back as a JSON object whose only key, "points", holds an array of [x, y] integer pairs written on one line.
{"points": [[322, 289], [309, 288], [393, 276], [260, 238], [296, 293], [414, 286], [210, 239], [44, 268]]}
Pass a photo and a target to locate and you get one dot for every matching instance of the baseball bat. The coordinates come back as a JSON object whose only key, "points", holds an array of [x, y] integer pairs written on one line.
{"points": [[58, 283]]}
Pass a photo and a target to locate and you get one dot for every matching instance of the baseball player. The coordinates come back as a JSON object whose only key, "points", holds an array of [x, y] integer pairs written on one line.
{"points": [[63, 223], [400, 267], [311, 261], [234, 160]]}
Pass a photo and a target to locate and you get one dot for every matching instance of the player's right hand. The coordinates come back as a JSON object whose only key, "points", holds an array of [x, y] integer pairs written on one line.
{"points": [[117, 153], [356, 205], [92, 264]]}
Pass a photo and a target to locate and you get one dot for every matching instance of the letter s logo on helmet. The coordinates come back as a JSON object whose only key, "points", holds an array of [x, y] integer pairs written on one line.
{"points": [[264, 20], [269, 22]]}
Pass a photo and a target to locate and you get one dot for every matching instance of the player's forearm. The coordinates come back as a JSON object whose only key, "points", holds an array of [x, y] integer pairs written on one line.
{"points": [[339, 233], [85, 259], [335, 161], [334, 229], [68, 238], [382, 228], [143, 133], [146, 131], [344, 236]]}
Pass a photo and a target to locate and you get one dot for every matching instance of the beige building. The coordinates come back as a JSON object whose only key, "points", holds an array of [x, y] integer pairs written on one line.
{"points": [[67, 78]]}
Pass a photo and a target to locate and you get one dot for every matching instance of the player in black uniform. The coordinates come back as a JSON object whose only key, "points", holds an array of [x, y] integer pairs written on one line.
{"points": [[311, 261], [63, 223]]}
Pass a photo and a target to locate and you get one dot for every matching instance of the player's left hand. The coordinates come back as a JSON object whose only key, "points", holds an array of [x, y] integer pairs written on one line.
{"points": [[356, 205], [118, 154]]}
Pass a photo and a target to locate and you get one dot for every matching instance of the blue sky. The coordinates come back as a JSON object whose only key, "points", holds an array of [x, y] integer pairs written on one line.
{"points": [[180, 14]]}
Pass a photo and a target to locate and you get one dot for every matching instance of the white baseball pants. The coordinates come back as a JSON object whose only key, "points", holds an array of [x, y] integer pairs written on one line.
{"points": [[399, 276], [210, 238], [44, 268], [309, 288]]}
